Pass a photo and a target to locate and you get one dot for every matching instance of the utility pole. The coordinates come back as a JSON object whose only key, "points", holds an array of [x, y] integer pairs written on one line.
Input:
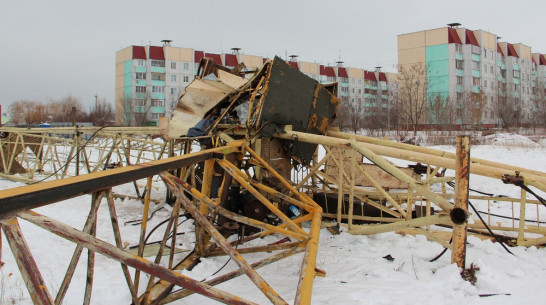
{"points": [[96, 101]]}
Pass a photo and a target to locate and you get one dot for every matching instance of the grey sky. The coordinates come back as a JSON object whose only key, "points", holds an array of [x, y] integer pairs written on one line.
{"points": [[50, 49]]}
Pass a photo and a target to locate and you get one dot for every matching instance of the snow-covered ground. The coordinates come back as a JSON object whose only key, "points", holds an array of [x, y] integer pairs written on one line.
{"points": [[357, 273]]}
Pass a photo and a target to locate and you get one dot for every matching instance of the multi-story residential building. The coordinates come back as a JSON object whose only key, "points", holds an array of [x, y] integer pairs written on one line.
{"points": [[150, 80], [476, 78]]}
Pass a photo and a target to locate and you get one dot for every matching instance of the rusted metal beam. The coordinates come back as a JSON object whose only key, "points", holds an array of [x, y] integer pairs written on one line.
{"points": [[89, 223], [129, 259], [25, 261], [36, 195], [233, 274], [459, 214], [222, 242]]}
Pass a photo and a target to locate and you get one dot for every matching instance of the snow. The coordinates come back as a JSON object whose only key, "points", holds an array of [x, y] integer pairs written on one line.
{"points": [[357, 272]]}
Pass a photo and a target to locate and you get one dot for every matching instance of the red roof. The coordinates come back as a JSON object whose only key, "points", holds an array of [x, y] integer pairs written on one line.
{"points": [[198, 55], [512, 51], [157, 53], [264, 60], [368, 75], [293, 64], [453, 36], [231, 60], [541, 60], [499, 50], [139, 52], [327, 71], [382, 77], [471, 39], [341, 72], [216, 57]]}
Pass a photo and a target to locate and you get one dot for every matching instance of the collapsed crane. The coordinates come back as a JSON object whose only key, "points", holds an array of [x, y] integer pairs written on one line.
{"points": [[253, 129]]}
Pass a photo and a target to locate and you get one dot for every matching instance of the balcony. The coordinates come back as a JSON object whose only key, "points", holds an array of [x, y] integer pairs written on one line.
{"points": [[140, 69], [158, 69], [160, 83], [475, 73], [476, 89]]}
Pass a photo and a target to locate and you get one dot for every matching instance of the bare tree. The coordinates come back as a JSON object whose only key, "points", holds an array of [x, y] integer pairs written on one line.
{"points": [[412, 94], [539, 104], [103, 114], [508, 107], [440, 109], [61, 110], [348, 117], [27, 112]]}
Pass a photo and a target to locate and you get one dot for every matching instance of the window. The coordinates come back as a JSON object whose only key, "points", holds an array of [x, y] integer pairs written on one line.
{"points": [[157, 77], [140, 62], [140, 102], [516, 73], [458, 48], [140, 75], [475, 81], [491, 69], [484, 53], [484, 68], [186, 66], [459, 64], [475, 65], [173, 91], [186, 78], [140, 89], [374, 84], [485, 83], [158, 103], [158, 63], [359, 91], [173, 65], [352, 90], [476, 50], [459, 80], [157, 89], [173, 78]]}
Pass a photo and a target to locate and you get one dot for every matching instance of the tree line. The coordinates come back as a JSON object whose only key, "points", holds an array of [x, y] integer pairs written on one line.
{"points": [[413, 107], [66, 109]]}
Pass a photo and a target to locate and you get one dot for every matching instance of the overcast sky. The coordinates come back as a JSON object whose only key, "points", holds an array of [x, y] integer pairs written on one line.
{"points": [[50, 49]]}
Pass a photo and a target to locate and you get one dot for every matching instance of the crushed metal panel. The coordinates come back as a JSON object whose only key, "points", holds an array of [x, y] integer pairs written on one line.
{"points": [[293, 98], [198, 99]]}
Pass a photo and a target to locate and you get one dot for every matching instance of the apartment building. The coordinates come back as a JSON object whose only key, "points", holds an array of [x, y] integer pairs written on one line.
{"points": [[478, 78], [150, 79]]}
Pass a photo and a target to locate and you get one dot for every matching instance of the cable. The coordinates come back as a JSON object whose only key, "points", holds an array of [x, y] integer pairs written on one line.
{"points": [[452, 184], [68, 161], [489, 229], [441, 253], [508, 217], [542, 200]]}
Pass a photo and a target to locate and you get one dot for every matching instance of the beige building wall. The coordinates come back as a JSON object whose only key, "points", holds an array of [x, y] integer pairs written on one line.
{"points": [[411, 56], [180, 54], [411, 40], [462, 36], [523, 51], [309, 67], [356, 73], [436, 37], [124, 54], [251, 61], [486, 39], [503, 47], [411, 48]]}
